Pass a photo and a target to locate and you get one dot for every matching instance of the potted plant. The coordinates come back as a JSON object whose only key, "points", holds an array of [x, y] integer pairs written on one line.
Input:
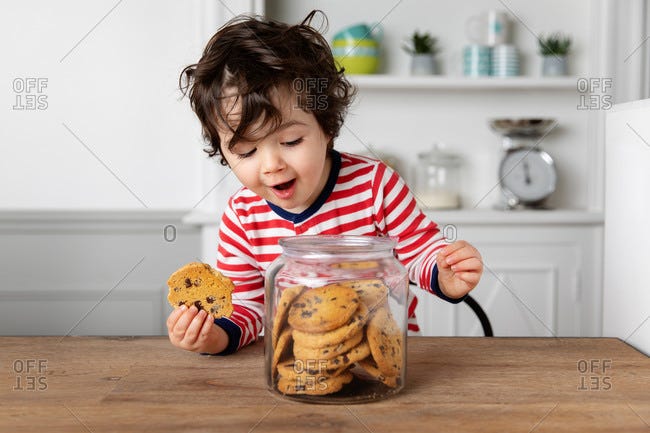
{"points": [[423, 48], [554, 49]]}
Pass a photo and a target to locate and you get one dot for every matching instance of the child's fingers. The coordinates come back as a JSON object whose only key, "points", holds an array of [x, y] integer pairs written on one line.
{"points": [[471, 278], [472, 264], [180, 328], [208, 323], [461, 254], [174, 316], [451, 248], [192, 331]]}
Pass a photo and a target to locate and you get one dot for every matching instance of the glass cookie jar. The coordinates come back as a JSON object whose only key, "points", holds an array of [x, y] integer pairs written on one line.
{"points": [[336, 319]]}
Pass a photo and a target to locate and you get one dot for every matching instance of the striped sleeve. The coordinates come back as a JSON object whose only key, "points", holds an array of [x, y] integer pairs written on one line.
{"points": [[397, 215], [236, 261]]}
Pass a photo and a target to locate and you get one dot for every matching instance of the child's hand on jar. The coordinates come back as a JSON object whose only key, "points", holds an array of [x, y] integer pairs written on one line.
{"points": [[459, 269]]}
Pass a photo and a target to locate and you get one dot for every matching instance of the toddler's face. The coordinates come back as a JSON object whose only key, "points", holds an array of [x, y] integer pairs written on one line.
{"points": [[288, 167]]}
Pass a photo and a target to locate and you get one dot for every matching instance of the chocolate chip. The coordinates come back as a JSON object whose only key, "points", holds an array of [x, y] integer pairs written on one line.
{"points": [[188, 283], [346, 359], [209, 300], [306, 313], [181, 303], [177, 289], [197, 304], [331, 299], [299, 305]]}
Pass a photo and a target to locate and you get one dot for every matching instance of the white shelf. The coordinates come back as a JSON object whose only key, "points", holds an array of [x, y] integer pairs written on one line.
{"points": [[383, 81], [464, 216]]}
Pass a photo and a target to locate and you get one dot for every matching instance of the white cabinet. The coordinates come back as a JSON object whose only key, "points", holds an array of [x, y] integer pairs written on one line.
{"points": [[539, 280]]}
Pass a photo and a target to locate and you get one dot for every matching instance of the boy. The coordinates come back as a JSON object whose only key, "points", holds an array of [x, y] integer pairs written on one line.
{"points": [[271, 102]]}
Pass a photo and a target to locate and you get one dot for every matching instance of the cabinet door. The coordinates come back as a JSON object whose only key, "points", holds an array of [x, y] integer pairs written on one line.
{"points": [[531, 285], [525, 290]]}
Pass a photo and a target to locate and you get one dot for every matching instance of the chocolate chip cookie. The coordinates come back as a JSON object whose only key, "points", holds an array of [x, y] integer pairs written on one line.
{"points": [[323, 309], [386, 342], [317, 340], [199, 285]]}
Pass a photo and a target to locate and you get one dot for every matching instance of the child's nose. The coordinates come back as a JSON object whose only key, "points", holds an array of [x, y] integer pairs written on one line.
{"points": [[272, 159]]}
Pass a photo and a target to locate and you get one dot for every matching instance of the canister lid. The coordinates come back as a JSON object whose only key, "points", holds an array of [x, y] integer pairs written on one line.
{"points": [[439, 156]]}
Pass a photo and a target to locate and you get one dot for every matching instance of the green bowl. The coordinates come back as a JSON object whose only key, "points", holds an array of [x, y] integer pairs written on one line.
{"points": [[358, 64], [345, 43]]}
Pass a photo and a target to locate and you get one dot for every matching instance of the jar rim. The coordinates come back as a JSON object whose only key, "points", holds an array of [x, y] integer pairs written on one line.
{"points": [[336, 244]]}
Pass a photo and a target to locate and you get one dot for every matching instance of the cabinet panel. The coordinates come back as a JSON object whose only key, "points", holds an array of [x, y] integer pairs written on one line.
{"points": [[519, 301], [531, 285]]}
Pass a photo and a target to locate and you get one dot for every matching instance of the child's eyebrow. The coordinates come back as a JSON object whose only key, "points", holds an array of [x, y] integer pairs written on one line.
{"points": [[289, 124]]}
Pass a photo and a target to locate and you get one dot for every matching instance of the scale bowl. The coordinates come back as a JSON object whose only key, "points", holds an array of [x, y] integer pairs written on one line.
{"points": [[522, 128]]}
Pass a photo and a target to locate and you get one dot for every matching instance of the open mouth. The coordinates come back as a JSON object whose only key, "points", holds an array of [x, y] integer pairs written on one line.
{"points": [[285, 185]]}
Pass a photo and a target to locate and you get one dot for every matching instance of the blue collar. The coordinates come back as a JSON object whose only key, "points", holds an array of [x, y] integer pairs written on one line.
{"points": [[297, 218]]}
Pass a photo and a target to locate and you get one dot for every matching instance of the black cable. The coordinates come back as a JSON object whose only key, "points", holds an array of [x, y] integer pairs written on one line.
{"points": [[485, 322]]}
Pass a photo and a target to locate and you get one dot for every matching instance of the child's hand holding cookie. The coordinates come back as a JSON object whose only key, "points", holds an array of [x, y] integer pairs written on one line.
{"points": [[194, 330], [459, 269]]}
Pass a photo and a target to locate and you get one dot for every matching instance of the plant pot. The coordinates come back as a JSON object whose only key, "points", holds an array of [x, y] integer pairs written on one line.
{"points": [[554, 65], [423, 64]]}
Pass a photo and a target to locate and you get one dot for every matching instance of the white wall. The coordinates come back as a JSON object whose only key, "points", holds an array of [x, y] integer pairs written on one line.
{"points": [[112, 81], [626, 300], [404, 123]]}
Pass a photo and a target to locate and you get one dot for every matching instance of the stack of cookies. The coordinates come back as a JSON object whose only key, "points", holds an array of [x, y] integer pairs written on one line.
{"points": [[321, 334]]}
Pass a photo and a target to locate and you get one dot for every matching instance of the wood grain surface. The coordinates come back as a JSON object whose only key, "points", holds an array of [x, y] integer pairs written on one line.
{"points": [[123, 384]]}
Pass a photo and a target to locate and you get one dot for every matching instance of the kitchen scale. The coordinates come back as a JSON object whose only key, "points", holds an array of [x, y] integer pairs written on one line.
{"points": [[527, 174]]}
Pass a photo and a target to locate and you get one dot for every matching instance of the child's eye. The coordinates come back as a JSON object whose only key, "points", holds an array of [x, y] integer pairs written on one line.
{"points": [[293, 143], [247, 154]]}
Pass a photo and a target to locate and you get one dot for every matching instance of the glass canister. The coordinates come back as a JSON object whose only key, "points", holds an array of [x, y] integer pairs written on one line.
{"points": [[336, 319], [437, 182]]}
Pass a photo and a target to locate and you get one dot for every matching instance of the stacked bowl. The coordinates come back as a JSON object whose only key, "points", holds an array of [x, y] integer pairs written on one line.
{"points": [[357, 49], [505, 61], [477, 60]]}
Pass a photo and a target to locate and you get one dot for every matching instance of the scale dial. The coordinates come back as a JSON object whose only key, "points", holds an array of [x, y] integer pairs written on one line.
{"points": [[527, 176]]}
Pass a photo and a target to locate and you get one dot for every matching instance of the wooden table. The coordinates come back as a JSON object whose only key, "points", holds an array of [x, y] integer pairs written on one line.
{"points": [[95, 384]]}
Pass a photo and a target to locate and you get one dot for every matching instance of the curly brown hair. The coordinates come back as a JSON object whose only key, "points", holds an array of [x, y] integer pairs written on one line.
{"points": [[258, 57]]}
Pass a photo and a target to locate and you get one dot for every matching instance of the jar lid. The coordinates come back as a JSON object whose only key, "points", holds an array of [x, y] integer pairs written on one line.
{"points": [[308, 245], [439, 157]]}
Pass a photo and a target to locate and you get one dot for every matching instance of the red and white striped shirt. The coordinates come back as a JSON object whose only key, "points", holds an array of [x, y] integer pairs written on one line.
{"points": [[362, 197]]}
